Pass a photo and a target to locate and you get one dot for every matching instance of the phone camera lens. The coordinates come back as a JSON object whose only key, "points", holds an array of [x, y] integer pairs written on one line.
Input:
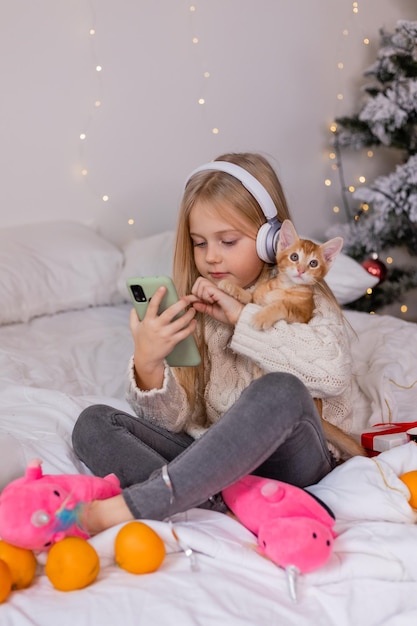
{"points": [[138, 293]]}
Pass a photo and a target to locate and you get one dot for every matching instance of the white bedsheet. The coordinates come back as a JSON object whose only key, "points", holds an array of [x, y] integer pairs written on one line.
{"points": [[53, 367]]}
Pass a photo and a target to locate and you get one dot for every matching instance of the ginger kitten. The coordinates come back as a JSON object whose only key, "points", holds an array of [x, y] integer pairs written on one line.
{"points": [[289, 296]]}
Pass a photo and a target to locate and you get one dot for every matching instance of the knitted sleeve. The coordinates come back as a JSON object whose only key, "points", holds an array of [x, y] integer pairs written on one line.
{"points": [[167, 407], [317, 353]]}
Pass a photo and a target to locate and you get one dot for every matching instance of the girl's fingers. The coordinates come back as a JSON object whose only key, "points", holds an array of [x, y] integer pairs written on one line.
{"points": [[183, 321], [206, 290], [155, 301]]}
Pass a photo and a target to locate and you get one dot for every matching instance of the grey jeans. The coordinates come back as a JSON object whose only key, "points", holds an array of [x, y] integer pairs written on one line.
{"points": [[273, 430]]}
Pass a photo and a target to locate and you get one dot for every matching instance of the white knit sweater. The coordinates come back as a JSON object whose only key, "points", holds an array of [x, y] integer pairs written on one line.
{"points": [[317, 353]]}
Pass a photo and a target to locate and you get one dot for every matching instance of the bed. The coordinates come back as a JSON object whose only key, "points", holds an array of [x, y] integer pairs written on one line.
{"points": [[65, 344]]}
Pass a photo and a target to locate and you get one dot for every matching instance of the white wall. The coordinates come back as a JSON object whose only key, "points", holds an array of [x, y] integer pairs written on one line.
{"points": [[272, 88]]}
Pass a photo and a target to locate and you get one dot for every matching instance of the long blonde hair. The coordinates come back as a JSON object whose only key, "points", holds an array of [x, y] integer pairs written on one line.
{"points": [[231, 199]]}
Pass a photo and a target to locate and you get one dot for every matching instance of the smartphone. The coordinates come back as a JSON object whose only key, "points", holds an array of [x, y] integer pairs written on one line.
{"points": [[141, 290]]}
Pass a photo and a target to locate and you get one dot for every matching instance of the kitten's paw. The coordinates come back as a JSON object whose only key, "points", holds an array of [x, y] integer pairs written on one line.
{"points": [[225, 286], [236, 292], [262, 320]]}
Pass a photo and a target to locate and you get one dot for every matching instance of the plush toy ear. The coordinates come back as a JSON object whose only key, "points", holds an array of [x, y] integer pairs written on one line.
{"points": [[34, 470], [272, 491]]}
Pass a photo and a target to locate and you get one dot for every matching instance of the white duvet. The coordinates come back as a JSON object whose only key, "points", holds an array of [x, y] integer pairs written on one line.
{"points": [[54, 366]]}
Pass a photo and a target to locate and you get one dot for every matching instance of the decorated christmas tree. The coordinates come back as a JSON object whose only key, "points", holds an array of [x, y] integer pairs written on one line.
{"points": [[383, 217]]}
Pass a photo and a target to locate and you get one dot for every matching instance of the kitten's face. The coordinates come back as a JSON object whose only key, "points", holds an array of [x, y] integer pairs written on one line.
{"points": [[302, 263]]}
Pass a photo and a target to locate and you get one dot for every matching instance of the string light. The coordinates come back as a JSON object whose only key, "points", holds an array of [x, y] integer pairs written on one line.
{"points": [[206, 74], [97, 103], [335, 156]]}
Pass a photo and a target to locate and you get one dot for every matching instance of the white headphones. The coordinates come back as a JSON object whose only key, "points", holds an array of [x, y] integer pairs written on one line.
{"points": [[267, 237]]}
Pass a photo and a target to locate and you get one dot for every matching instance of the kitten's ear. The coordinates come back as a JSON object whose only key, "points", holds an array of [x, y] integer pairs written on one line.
{"points": [[287, 235], [330, 249]]}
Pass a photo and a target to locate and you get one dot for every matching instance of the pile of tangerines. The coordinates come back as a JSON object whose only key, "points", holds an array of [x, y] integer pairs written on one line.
{"points": [[73, 563]]}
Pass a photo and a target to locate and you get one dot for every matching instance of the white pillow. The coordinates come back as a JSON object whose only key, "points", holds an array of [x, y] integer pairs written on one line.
{"points": [[149, 256], [55, 266], [348, 279], [153, 255]]}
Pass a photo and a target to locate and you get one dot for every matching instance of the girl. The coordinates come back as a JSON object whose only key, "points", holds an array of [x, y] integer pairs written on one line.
{"points": [[248, 408]]}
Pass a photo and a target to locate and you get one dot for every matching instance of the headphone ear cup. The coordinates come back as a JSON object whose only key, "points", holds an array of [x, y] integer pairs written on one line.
{"points": [[267, 241]]}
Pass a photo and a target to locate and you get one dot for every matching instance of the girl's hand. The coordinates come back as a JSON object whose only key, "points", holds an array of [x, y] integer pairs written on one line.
{"points": [[156, 335], [215, 302]]}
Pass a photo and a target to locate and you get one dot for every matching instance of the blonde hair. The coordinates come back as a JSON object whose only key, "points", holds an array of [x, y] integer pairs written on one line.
{"points": [[232, 200]]}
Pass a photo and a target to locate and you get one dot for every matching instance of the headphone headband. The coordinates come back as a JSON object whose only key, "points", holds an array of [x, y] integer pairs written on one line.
{"points": [[267, 239], [251, 183]]}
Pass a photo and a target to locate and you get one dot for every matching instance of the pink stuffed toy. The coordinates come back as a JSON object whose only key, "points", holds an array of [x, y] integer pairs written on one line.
{"points": [[294, 529], [36, 511]]}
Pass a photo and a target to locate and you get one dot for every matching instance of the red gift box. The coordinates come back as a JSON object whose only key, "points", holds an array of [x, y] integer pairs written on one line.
{"points": [[385, 436]]}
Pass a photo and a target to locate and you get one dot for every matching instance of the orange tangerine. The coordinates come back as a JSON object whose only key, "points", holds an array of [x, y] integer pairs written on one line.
{"points": [[72, 563], [138, 549], [5, 581], [21, 562], [410, 479]]}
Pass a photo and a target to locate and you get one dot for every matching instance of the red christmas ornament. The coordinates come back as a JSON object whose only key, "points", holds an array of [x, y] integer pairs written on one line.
{"points": [[376, 268]]}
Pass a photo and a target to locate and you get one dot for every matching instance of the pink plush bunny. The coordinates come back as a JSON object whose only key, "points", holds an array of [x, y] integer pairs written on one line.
{"points": [[293, 528], [36, 511]]}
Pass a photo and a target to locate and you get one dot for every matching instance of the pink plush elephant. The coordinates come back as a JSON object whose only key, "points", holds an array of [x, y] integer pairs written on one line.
{"points": [[293, 528], [36, 511]]}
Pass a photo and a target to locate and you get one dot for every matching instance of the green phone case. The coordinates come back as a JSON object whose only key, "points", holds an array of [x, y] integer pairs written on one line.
{"points": [[141, 289]]}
